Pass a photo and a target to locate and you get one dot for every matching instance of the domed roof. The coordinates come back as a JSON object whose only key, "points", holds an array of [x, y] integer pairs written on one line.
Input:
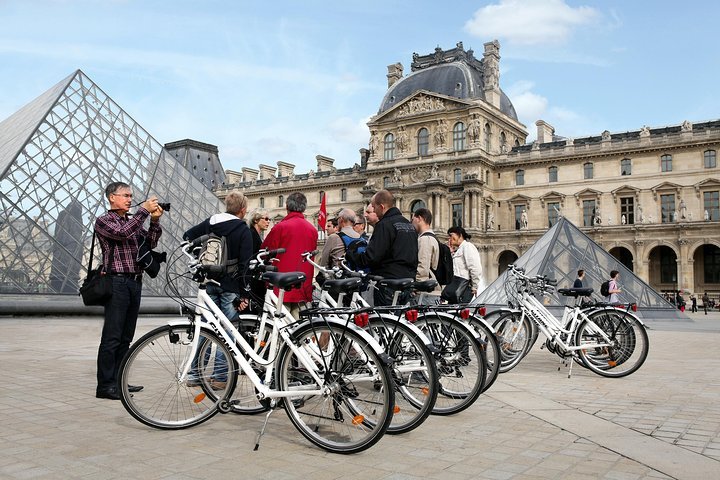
{"points": [[452, 73]]}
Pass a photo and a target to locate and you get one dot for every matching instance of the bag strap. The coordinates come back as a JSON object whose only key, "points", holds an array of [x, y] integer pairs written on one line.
{"points": [[92, 253]]}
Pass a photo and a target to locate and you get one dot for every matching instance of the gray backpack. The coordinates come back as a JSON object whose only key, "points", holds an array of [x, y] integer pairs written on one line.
{"points": [[213, 257]]}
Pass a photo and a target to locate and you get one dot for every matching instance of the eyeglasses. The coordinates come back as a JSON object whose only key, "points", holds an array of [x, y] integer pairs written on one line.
{"points": [[358, 223], [126, 195], [267, 219]]}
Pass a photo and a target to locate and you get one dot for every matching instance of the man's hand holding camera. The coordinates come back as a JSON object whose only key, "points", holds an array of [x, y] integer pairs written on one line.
{"points": [[152, 206]]}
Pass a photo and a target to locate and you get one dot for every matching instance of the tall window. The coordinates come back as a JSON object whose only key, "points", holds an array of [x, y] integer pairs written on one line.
{"points": [[552, 174], [262, 202], [666, 163], [667, 207], [321, 194], [588, 213], [457, 175], [625, 166], [711, 203], [389, 147], [668, 266], [710, 159], [588, 170], [552, 211], [486, 136], [711, 263], [281, 201], [627, 208], [520, 177], [386, 182], [343, 194], [518, 216], [459, 137], [423, 141], [503, 141], [457, 214]]}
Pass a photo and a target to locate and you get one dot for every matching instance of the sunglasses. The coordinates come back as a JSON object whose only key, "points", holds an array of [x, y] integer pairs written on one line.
{"points": [[267, 219]]}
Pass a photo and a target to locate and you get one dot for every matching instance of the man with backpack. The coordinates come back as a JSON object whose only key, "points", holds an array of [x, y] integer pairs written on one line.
{"points": [[431, 265], [337, 243], [393, 248], [610, 288]]}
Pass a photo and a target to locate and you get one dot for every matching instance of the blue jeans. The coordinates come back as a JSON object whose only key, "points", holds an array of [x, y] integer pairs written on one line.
{"points": [[121, 314], [224, 300]]}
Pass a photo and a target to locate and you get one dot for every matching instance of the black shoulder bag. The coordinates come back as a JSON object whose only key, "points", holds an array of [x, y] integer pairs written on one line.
{"points": [[97, 286]]}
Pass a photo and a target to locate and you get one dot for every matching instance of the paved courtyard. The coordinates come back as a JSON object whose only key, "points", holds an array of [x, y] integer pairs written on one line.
{"points": [[534, 423]]}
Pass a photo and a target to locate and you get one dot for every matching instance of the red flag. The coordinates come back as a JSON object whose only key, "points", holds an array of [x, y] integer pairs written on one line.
{"points": [[322, 215]]}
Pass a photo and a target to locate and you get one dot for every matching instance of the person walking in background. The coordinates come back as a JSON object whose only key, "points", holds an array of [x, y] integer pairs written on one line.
{"points": [[297, 236], [614, 287], [259, 223], [467, 269], [428, 247], [393, 249], [705, 300], [579, 280], [119, 235], [680, 301], [693, 300]]}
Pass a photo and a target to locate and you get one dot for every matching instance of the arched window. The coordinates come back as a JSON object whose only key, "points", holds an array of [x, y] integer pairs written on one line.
{"points": [[552, 174], [588, 170], [710, 159], [321, 194], [423, 142], [503, 141], [262, 202], [666, 163], [625, 166], [459, 137], [386, 182], [457, 175], [486, 136], [281, 201], [389, 147], [520, 177], [343, 194], [416, 205]]}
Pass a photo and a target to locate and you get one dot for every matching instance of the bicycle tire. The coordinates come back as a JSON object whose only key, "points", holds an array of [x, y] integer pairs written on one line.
{"points": [[156, 361], [461, 362], [356, 411], [630, 344], [513, 338], [491, 346], [413, 371]]}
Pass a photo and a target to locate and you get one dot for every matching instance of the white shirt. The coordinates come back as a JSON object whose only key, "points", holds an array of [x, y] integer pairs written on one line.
{"points": [[466, 264]]}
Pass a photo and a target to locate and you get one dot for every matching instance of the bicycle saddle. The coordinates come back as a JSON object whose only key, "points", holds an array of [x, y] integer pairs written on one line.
{"points": [[426, 285], [343, 285], [575, 292], [396, 283], [284, 280]]}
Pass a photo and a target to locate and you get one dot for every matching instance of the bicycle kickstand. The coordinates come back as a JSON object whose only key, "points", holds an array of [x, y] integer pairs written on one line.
{"points": [[262, 430]]}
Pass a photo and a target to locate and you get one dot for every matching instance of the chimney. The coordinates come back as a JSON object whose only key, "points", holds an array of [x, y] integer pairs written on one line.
{"points": [[324, 163], [285, 169], [491, 73], [395, 72], [267, 172], [545, 131]]}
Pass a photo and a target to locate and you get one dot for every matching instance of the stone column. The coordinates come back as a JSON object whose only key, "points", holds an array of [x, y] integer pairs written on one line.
{"points": [[467, 199]]}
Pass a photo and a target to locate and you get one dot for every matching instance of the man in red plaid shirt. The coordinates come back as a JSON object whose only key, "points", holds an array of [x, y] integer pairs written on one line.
{"points": [[120, 235]]}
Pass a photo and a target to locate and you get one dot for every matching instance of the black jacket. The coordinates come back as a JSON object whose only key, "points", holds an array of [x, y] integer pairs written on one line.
{"points": [[239, 243], [393, 248]]}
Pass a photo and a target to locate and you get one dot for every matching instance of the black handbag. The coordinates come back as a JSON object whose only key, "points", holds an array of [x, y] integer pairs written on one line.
{"points": [[454, 292], [148, 259], [97, 286]]}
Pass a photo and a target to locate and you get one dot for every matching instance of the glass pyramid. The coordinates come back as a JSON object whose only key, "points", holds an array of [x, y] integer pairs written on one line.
{"points": [[559, 254], [57, 154]]}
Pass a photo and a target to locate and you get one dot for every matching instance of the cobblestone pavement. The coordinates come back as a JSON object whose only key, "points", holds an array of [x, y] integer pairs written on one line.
{"points": [[534, 423]]}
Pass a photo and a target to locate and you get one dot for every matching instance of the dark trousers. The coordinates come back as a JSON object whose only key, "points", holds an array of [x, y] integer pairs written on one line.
{"points": [[383, 296], [120, 320]]}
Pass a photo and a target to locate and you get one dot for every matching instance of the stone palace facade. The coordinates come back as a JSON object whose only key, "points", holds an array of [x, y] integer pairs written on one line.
{"points": [[446, 137]]}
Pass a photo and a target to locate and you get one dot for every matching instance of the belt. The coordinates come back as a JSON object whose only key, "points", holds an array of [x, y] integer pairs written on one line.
{"points": [[134, 276]]}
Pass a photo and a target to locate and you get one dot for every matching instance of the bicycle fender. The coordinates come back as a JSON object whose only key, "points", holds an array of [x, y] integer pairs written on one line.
{"points": [[611, 309], [470, 330], [342, 323], [408, 324]]}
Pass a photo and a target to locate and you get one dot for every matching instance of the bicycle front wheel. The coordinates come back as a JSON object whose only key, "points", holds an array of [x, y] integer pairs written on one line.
{"points": [[514, 333], [156, 362], [628, 341], [490, 344], [357, 404]]}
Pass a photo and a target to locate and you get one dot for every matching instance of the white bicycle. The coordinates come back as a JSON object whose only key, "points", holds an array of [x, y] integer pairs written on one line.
{"points": [[339, 393]]}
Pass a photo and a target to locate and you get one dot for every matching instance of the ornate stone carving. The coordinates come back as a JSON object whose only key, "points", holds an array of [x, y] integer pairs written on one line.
{"points": [[402, 140], [441, 131], [474, 128], [644, 132], [606, 135], [420, 104], [686, 126]]}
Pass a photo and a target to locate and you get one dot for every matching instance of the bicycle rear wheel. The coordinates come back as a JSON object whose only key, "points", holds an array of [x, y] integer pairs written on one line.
{"points": [[490, 344], [628, 338], [413, 371], [244, 399], [461, 362], [156, 362], [357, 407], [514, 334]]}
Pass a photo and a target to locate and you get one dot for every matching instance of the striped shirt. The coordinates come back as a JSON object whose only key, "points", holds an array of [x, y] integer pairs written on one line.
{"points": [[125, 234]]}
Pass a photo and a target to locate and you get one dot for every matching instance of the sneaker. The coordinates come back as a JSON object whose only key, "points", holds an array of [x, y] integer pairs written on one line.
{"points": [[217, 385], [192, 382]]}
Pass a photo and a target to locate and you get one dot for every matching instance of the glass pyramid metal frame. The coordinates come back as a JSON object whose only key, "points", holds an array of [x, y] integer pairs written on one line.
{"points": [[57, 154], [559, 254]]}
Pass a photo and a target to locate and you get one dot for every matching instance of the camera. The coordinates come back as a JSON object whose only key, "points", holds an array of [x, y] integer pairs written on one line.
{"points": [[164, 206]]}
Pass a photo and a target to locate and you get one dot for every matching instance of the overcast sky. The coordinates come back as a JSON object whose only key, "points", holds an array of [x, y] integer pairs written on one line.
{"points": [[291, 79]]}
